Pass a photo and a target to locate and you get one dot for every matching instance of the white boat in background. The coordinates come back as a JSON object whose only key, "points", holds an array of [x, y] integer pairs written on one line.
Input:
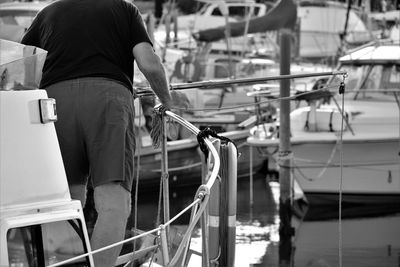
{"points": [[322, 23], [370, 140], [318, 26], [212, 14]]}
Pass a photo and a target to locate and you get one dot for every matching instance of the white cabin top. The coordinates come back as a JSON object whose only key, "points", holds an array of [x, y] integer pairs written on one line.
{"points": [[31, 166], [374, 53]]}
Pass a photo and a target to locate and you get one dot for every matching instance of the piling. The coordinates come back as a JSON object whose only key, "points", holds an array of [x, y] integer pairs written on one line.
{"points": [[175, 21], [285, 209]]}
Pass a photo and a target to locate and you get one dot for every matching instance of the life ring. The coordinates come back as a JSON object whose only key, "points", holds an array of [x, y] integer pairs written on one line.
{"points": [[194, 69]]}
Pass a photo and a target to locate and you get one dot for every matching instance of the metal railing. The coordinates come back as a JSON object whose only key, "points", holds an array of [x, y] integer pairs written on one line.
{"points": [[146, 91]]}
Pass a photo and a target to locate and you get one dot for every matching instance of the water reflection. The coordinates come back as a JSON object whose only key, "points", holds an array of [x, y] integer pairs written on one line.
{"points": [[370, 234], [365, 235], [371, 241]]}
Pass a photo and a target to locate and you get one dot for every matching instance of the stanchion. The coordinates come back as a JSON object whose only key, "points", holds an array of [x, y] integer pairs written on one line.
{"points": [[222, 210], [227, 205], [213, 219]]}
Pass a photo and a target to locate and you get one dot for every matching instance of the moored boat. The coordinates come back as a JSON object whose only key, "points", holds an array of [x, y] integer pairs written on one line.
{"points": [[184, 160], [354, 155]]}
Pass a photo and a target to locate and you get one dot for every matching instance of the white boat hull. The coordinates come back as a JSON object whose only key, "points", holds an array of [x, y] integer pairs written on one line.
{"points": [[368, 167]]}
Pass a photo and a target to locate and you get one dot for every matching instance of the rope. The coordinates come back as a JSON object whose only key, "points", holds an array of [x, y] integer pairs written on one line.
{"points": [[160, 197], [157, 125], [207, 132], [326, 165], [154, 254], [137, 179], [360, 166], [398, 105], [104, 248], [156, 136], [204, 197]]}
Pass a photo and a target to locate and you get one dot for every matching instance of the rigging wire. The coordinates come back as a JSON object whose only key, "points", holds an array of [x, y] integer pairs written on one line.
{"points": [[341, 91], [136, 183], [340, 147], [398, 105]]}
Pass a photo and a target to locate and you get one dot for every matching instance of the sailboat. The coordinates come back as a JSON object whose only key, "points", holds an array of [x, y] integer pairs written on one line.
{"points": [[40, 225], [319, 25]]}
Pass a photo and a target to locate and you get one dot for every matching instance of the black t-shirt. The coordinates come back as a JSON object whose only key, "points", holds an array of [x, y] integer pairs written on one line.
{"points": [[87, 38]]}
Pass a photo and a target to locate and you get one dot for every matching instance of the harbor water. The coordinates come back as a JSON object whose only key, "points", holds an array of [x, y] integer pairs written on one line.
{"points": [[364, 236]]}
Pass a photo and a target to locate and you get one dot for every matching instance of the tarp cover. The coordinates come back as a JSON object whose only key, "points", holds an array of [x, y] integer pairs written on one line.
{"points": [[282, 15]]}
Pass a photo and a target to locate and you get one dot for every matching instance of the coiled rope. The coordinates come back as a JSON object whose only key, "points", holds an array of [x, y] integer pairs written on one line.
{"points": [[207, 132], [157, 125]]}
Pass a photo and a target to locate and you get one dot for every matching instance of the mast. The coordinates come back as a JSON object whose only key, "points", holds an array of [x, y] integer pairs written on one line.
{"points": [[285, 180], [225, 12], [346, 24]]}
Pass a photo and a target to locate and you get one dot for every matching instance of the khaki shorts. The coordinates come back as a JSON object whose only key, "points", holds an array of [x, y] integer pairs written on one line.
{"points": [[95, 130]]}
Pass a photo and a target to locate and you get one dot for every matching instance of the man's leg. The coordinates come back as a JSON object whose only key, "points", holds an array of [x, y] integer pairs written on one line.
{"points": [[113, 205]]}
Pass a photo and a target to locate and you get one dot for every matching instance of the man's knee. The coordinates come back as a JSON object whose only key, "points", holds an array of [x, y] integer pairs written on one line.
{"points": [[112, 197]]}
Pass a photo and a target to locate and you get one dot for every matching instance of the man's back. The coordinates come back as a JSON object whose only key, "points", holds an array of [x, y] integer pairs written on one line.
{"points": [[87, 38]]}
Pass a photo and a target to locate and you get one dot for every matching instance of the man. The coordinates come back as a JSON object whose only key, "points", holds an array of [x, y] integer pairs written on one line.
{"points": [[92, 45]]}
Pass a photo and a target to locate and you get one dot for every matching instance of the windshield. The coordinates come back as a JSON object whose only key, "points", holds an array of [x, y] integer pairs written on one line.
{"points": [[23, 18], [370, 80], [235, 11], [239, 12]]}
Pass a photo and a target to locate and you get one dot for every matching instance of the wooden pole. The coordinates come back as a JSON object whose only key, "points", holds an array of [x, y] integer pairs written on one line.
{"points": [[285, 203], [158, 9], [225, 12], [175, 21]]}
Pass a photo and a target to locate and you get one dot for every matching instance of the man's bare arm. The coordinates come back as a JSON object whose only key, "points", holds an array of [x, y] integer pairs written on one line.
{"points": [[150, 65]]}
